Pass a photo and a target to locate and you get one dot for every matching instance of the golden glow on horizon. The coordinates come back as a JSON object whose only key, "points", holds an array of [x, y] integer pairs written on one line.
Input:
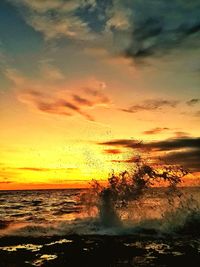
{"points": [[41, 147], [52, 151]]}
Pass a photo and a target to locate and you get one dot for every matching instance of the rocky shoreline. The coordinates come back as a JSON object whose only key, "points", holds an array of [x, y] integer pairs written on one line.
{"points": [[102, 251]]}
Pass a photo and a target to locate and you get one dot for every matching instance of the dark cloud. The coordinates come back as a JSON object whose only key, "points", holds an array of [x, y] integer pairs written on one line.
{"points": [[150, 105], [161, 26], [152, 27], [189, 159], [166, 145], [122, 143], [112, 151], [184, 151], [156, 130], [193, 101]]}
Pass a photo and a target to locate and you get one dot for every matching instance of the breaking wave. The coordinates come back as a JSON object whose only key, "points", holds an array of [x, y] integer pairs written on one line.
{"points": [[126, 205]]}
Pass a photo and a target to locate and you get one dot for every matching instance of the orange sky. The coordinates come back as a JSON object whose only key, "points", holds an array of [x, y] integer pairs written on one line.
{"points": [[75, 94]]}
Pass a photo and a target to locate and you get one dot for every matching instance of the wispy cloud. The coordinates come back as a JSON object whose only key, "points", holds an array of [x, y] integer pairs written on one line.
{"points": [[61, 98], [82, 101], [197, 114], [57, 18], [112, 151], [66, 105], [132, 159], [193, 101], [34, 169], [181, 134], [59, 107], [6, 182], [156, 130], [122, 143], [3, 177], [151, 105]]}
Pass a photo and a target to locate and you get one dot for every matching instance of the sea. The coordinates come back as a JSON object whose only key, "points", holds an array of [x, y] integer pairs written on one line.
{"points": [[59, 228]]}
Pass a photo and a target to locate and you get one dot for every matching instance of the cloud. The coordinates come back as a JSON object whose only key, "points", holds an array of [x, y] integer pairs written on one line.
{"points": [[156, 130], [64, 105], [112, 151], [135, 29], [98, 93], [129, 160], [6, 182], [119, 18], [82, 101], [14, 171], [4, 174], [193, 101], [165, 145], [181, 134], [69, 26], [122, 143], [151, 105], [162, 26], [51, 73], [183, 150], [77, 20], [33, 169], [56, 105], [175, 143], [197, 113], [56, 18], [60, 97], [46, 5], [189, 159], [44, 169]]}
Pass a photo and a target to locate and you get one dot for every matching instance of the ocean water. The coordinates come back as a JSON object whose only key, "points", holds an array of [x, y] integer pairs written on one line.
{"points": [[19, 209], [58, 228]]}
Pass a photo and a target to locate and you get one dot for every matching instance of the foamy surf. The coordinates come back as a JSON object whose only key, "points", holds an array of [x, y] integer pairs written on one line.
{"points": [[180, 220], [154, 230]]}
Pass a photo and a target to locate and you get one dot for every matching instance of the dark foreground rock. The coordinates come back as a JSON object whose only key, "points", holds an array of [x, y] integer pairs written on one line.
{"points": [[99, 251]]}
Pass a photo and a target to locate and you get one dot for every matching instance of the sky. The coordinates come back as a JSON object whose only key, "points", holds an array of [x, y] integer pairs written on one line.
{"points": [[88, 86]]}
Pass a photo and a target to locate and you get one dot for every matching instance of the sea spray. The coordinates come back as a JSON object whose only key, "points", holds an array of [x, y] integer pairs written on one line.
{"points": [[129, 203], [151, 214], [182, 216], [108, 200], [107, 213]]}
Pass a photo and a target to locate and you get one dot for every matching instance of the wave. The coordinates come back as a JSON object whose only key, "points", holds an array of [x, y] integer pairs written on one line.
{"points": [[128, 205], [180, 221]]}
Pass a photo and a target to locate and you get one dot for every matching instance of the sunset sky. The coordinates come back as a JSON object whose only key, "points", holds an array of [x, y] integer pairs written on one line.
{"points": [[83, 82]]}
